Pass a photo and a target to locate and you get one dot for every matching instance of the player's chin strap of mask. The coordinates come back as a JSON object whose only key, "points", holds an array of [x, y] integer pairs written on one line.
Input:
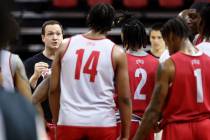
{"points": [[134, 117]]}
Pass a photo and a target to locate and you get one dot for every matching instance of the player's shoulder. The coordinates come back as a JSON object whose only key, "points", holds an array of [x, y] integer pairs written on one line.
{"points": [[63, 47], [118, 54], [118, 49], [65, 42], [74, 38], [167, 66]]}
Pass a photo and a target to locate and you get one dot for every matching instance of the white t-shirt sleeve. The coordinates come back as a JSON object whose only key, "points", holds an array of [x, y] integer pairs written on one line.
{"points": [[165, 55], [204, 47]]}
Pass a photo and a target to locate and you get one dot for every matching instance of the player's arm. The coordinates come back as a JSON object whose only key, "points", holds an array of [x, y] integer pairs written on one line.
{"points": [[153, 112], [41, 92], [122, 85], [54, 90], [20, 79]]}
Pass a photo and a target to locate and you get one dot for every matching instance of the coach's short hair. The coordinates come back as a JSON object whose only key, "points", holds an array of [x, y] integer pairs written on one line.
{"points": [[50, 22]]}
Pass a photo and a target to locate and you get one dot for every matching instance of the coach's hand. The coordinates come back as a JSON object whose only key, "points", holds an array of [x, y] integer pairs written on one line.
{"points": [[39, 68]]}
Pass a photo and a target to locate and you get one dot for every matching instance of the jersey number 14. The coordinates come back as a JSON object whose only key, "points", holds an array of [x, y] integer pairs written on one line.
{"points": [[90, 65]]}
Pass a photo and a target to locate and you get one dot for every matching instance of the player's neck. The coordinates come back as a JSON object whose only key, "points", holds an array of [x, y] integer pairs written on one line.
{"points": [[49, 53], [139, 52], [96, 35], [188, 48]]}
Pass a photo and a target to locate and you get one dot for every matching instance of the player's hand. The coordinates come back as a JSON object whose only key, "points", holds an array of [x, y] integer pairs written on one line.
{"points": [[40, 68]]}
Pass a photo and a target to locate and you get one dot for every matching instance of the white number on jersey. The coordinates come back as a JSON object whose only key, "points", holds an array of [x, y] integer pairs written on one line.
{"points": [[197, 74], [137, 94]]}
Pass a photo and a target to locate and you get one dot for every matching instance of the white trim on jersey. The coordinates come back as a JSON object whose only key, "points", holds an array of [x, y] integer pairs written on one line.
{"points": [[5, 63], [87, 86]]}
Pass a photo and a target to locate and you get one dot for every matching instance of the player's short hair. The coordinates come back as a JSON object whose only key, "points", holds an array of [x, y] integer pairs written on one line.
{"points": [[155, 27], [101, 17], [9, 28], [133, 31], [50, 22], [176, 26], [205, 21]]}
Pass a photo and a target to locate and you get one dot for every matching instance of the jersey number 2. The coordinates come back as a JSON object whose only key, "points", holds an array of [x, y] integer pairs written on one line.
{"points": [[90, 65], [137, 94]]}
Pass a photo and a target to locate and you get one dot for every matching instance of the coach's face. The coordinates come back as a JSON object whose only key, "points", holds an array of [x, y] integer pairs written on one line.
{"points": [[53, 36]]}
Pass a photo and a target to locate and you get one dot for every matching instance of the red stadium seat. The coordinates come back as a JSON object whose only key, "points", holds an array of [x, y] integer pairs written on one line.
{"points": [[65, 3], [135, 3], [201, 0], [171, 3], [93, 2]]}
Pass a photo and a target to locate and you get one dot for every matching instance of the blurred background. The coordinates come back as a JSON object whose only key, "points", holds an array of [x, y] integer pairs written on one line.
{"points": [[31, 14]]}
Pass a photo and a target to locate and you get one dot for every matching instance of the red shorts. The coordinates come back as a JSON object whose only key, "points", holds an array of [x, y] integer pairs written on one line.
{"points": [[91, 133], [187, 131], [134, 127]]}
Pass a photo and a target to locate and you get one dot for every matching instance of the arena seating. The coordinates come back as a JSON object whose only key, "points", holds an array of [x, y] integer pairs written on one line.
{"points": [[171, 3], [93, 2], [72, 14], [135, 3], [65, 3]]}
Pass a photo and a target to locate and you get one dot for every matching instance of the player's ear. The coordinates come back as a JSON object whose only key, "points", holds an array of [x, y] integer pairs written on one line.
{"points": [[43, 39]]}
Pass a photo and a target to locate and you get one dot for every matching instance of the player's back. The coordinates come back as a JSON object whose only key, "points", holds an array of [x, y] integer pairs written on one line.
{"points": [[87, 86], [189, 94], [142, 71]]}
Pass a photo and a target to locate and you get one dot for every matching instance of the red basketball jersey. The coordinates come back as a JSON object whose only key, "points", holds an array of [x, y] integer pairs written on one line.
{"points": [[189, 96], [142, 71]]}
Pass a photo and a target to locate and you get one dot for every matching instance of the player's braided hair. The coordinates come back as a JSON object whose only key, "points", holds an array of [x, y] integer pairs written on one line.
{"points": [[101, 17], [133, 31]]}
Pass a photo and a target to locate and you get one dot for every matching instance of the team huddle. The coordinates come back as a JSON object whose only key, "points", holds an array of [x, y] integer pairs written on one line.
{"points": [[92, 89]]}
